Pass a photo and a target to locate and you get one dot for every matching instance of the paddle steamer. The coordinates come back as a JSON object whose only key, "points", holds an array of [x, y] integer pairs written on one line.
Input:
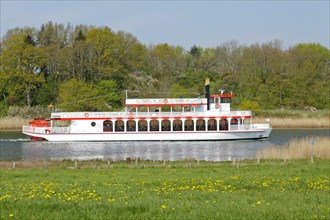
{"points": [[165, 119]]}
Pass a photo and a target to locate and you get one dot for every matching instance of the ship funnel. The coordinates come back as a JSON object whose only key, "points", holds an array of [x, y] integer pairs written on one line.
{"points": [[207, 92]]}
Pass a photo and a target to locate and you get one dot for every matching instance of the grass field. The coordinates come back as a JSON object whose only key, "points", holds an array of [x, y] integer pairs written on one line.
{"points": [[273, 189]]}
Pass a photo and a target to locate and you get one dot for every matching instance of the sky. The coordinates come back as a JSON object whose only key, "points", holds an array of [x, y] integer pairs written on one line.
{"points": [[183, 23]]}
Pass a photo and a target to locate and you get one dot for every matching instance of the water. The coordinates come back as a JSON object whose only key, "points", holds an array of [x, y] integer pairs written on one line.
{"points": [[16, 146]]}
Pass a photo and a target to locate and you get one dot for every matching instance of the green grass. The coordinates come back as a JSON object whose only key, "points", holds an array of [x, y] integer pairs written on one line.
{"points": [[177, 190], [294, 113]]}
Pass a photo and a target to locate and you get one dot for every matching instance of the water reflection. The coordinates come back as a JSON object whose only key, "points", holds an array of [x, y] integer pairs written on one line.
{"points": [[115, 151], [20, 148]]}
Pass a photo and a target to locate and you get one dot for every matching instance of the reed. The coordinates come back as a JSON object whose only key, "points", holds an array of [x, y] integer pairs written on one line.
{"points": [[13, 123], [292, 122], [298, 149]]}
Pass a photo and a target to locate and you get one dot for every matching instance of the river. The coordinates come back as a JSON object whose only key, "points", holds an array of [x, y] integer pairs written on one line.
{"points": [[15, 146]]}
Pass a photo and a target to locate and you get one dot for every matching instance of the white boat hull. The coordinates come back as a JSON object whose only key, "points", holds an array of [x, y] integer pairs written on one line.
{"points": [[156, 136]]}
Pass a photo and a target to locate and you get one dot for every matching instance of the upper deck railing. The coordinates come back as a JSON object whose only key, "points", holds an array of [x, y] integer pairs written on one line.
{"points": [[102, 115], [150, 102]]}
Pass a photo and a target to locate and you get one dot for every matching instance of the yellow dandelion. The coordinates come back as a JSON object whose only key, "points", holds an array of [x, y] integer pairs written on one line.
{"points": [[11, 215], [163, 206]]}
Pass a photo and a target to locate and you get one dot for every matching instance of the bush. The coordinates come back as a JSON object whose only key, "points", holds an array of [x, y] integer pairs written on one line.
{"points": [[29, 112], [250, 105], [3, 109]]}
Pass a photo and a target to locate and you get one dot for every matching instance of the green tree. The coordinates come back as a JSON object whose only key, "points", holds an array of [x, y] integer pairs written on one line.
{"points": [[75, 95], [309, 73], [108, 90], [250, 105], [21, 62], [166, 64]]}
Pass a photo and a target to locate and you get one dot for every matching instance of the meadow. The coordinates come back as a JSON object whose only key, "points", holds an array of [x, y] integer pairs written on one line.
{"points": [[266, 189]]}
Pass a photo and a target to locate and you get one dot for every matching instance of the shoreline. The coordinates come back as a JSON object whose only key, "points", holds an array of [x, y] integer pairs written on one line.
{"points": [[16, 123], [266, 160]]}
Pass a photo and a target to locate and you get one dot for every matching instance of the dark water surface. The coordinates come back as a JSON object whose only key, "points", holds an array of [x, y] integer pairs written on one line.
{"points": [[17, 146]]}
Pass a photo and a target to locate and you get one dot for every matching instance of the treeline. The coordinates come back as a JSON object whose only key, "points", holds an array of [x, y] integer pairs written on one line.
{"points": [[89, 68]]}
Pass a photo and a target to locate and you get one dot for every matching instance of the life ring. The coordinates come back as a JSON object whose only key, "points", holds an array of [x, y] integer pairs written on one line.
{"points": [[86, 115], [165, 101], [217, 106], [47, 131], [130, 114]]}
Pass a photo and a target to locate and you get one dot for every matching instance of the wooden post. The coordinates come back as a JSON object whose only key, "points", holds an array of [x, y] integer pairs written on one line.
{"points": [[313, 142]]}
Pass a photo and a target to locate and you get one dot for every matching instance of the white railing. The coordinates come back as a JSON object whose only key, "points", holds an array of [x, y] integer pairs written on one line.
{"points": [[88, 115], [261, 126], [45, 130], [166, 101], [240, 127], [73, 115], [192, 114]]}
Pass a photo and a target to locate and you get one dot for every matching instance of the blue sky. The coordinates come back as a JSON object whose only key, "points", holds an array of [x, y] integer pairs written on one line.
{"points": [[184, 23]]}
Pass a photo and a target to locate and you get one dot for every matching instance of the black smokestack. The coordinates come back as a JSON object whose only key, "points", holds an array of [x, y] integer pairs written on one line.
{"points": [[207, 92]]}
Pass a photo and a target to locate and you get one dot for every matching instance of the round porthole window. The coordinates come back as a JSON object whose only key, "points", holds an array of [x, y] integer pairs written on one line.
{"points": [[93, 124]]}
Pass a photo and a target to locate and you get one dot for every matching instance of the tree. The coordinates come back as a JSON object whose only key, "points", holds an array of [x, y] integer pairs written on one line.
{"points": [[21, 62], [108, 90], [75, 95], [166, 64], [308, 71]]}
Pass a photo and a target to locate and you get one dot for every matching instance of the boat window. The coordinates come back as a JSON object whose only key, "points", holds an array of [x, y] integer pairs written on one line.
{"points": [[234, 121], [223, 125], [199, 108], [143, 125], [154, 125], [166, 125], [93, 124], [177, 125], [131, 125], [200, 125], [107, 126], [119, 125], [189, 125], [212, 125], [225, 100]]}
